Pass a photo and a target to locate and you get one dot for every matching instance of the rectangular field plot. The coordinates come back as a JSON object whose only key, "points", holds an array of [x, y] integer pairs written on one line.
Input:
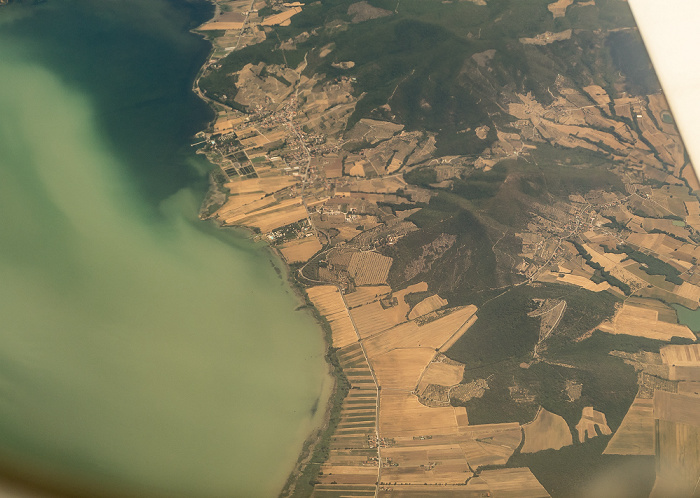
{"points": [[434, 464], [515, 483], [403, 415], [411, 335], [329, 303], [643, 321], [300, 250], [366, 295], [369, 268], [401, 368]]}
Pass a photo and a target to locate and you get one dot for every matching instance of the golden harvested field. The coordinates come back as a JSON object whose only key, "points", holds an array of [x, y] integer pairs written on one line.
{"points": [[352, 464], [679, 466], [491, 444], [327, 299], [688, 291], [373, 318], [471, 490], [427, 305], [338, 472], [515, 483], [224, 124], [366, 295], [547, 431], [596, 92], [569, 135], [685, 355], [419, 287], [676, 408], [234, 203], [665, 313], [689, 388], [300, 250], [525, 485], [347, 232], [611, 263], [683, 362], [369, 268], [402, 308], [433, 464], [635, 436], [650, 281], [354, 363], [283, 18], [267, 185], [329, 303], [431, 335], [692, 207], [332, 166], [584, 282], [668, 226], [558, 8], [479, 453], [643, 322], [394, 165], [684, 373], [402, 414], [669, 147], [401, 368], [256, 141], [272, 220], [449, 343], [657, 242], [241, 205], [491, 448], [442, 374], [357, 168], [255, 208], [590, 420], [448, 458]]}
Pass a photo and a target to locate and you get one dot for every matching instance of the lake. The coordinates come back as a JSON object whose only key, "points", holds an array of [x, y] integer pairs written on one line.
{"points": [[144, 352], [687, 317]]}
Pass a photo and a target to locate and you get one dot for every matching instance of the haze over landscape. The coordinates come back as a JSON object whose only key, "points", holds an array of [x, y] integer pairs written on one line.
{"points": [[402, 249], [671, 36], [137, 340]]}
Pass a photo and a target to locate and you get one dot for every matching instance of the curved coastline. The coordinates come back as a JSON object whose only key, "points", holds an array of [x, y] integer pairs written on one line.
{"points": [[307, 464], [169, 233]]}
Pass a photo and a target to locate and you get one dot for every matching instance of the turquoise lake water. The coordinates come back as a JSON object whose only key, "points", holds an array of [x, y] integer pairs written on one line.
{"points": [[142, 352]]}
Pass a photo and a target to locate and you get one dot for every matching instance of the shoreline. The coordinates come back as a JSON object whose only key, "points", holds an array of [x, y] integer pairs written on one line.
{"points": [[339, 387]]}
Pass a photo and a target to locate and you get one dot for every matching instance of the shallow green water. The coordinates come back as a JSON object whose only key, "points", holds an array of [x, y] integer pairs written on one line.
{"points": [[690, 318], [140, 350]]}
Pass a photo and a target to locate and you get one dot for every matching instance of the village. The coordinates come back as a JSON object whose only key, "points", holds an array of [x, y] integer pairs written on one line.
{"points": [[325, 195]]}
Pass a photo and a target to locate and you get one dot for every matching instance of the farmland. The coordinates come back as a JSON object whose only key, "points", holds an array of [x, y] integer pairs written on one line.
{"points": [[547, 431], [300, 250], [636, 434], [641, 320], [489, 206], [592, 423]]}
